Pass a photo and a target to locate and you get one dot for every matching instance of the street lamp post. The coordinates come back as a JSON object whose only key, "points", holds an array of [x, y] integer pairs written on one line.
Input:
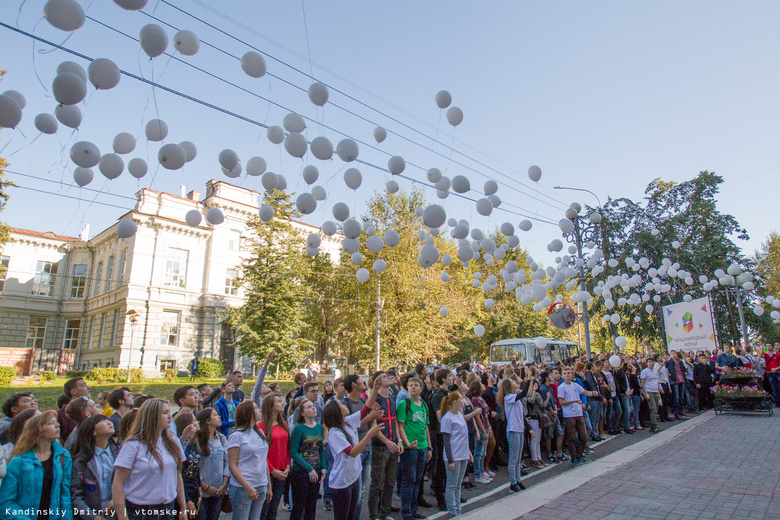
{"points": [[378, 312], [133, 316]]}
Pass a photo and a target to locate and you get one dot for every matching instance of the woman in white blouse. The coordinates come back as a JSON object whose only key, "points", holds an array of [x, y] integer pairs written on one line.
{"points": [[247, 460]]}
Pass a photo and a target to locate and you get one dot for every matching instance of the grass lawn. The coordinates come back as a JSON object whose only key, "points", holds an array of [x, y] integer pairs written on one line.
{"points": [[48, 393]]}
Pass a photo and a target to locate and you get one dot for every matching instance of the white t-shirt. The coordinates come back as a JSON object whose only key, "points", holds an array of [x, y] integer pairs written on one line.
{"points": [[571, 392], [455, 425], [148, 484], [252, 457], [663, 376], [650, 378], [346, 469], [513, 409]]}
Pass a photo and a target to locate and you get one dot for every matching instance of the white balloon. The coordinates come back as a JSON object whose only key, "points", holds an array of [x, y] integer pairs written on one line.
{"points": [[310, 174], [319, 193], [75, 68], [484, 207], [489, 303], [65, 15], [614, 361], [318, 94], [566, 225], [620, 342], [137, 167], [396, 165], [392, 238], [228, 159], [758, 310], [172, 156], [131, 5], [214, 216], [675, 244], [16, 96], [322, 148], [266, 212], [69, 116], [352, 178], [379, 265], [525, 225], [375, 243], [104, 74], [350, 245], [434, 215], [233, 173], [275, 134], [269, 180], [362, 275], [313, 240], [442, 194], [306, 203], [351, 228], [68, 88], [380, 134], [156, 130], [595, 218], [443, 99], [253, 64], [615, 319], [189, 149], [126, 228], [45, 123], [540, 342], [329, 228], [153, 40], [479, 330], [347, 150], [391, 186], [83, 176], [111, 166], [434, 175], [460, 184], [356, 258], [491, 187], [455, 116], [256, 166], [443, 311], [294, 123], [186, 42], [85, 154], [340, 211], [123, 143], [649, 309], [534, 173], [494, 200], [193, 218], [429, 255], [295, 144]]}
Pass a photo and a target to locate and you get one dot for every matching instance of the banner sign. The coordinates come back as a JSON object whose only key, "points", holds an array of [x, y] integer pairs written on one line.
{"points": [[67, 357], [689, 326], [19, 358]]}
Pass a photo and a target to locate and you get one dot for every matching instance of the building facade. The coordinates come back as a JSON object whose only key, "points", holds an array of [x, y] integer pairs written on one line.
{"points": [[152, 300]]}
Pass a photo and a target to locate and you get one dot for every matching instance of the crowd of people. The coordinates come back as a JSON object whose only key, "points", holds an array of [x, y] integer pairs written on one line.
{"points": [[349, 441]]}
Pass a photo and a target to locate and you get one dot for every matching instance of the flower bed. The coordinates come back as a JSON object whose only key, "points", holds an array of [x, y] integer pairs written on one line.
{"points": [[728, 391]]}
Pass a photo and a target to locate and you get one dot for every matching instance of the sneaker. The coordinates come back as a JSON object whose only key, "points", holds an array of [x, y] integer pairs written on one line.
{"points": [[514, 488], [565, 457], [328, 506], [521, 485], [421, 502], [468, 485], [490, 474], [463, 500], [483, 480], [576, 462], [588, 449], [655, 430], [551, 459], [630, 432]]}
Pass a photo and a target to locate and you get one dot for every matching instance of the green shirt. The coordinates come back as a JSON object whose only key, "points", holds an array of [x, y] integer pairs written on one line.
{"points": [[307, 449], [415, 422]]}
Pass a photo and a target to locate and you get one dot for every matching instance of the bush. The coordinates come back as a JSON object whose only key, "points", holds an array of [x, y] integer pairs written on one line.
{"points": [[70, 374], [170, 375], [114, 375], [7, 375], [48, 375], [136, 375], [210, 368]]}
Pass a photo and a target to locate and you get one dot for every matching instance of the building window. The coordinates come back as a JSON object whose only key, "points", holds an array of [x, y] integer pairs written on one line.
{"points": [[231, 282], [234, 241], [176, 267], [167, 364], [169, 332], [120, 274], [109, 273], [102, 336], [36, 332], [78, 282], [45, 277], [98, 276], [115, 328], [4, 261], [72, 330], [91, 332]]}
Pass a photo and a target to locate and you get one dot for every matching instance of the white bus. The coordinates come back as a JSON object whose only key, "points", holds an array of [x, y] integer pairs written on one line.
{"points": [[524, 350]]}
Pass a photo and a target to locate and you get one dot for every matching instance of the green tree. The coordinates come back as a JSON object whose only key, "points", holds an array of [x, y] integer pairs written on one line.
{"points": [[767, 262], [273, 277], [4, 185]]}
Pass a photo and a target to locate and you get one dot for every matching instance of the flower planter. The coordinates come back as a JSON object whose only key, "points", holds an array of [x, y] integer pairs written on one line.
{"points": [[734, 380], [744, 404]]}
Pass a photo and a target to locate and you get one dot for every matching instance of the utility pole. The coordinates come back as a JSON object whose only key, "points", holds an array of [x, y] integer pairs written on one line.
{"points": [[378, 311]]}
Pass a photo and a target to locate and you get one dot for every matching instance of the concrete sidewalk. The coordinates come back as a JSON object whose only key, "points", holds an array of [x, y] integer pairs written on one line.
{"points": [[709, 467]]}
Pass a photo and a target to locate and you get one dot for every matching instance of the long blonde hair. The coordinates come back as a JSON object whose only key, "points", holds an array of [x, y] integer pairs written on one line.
{"points": [[32, 430], [145, 430]]}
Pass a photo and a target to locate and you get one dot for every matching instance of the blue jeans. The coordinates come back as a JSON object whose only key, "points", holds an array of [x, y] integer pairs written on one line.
{"points": [[625, 404], [595, 414], [690, 395], [412, 471], [243, 508], [515, 455], [365, 474], [480, 449], [636, 403], [774, 382], [454, 481], [325, 487], [677, 392], [270, 508]]}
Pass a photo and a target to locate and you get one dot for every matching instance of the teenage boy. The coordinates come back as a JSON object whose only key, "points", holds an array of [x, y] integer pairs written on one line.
{"points": [[186, 398], [384, 451], [574, 424], [226, 406], [311, 391], [194, 368], [676, 371], [702, 378], [413, 423], [650, 387], [237, 378], [11, 408], [75, 387], [121, 400], [444, 379]]}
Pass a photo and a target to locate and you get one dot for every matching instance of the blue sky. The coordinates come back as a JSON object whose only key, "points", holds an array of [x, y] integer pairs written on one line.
{"points": [[601, 95]]}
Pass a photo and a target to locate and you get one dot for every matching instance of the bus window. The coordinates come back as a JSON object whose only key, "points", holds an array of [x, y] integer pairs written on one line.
{"points": [[508, 353], [555, 352], [546, 356]]}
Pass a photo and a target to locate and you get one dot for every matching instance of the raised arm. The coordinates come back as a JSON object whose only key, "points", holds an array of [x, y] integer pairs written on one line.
{"points": [[257, 389]]}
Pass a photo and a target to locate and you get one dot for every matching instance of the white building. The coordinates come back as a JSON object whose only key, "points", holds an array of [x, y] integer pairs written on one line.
{"points": [[70, 299]]}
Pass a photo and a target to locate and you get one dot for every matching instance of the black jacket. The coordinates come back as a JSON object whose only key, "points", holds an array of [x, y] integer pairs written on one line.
{"points": [[702, 374]]}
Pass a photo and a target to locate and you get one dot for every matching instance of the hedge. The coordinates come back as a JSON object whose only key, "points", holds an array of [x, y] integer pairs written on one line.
{"points": [[210, 368], [7, 375]]}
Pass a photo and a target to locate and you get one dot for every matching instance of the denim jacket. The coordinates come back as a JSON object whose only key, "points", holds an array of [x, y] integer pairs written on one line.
{"points": [[85, 487], [20, 492]]}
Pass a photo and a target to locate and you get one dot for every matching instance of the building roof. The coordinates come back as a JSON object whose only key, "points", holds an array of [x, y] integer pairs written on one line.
{"points": [[47, 234]]}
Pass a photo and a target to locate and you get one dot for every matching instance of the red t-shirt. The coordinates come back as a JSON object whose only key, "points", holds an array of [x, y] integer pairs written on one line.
{"points": [[772, 361], [279, 453]]}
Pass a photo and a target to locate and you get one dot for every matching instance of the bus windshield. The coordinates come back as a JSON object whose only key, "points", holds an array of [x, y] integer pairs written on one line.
{"points": [[508, 353]]}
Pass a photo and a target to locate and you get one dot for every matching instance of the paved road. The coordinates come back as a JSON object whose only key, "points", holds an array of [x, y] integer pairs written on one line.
{"points": [[728, 467]]}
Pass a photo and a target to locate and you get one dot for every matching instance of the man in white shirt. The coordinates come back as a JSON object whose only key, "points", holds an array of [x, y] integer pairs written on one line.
{"points": [[571, 404], [649, 379]]}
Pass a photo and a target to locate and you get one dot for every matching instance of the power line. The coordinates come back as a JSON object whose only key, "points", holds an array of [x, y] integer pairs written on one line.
{"points": [[70, 185], [71, 197], [231, 113]]}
